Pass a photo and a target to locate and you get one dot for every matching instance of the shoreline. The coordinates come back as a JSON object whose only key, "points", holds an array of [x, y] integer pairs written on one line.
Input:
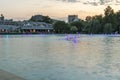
{"points": [[50, 33], [4, 75]]}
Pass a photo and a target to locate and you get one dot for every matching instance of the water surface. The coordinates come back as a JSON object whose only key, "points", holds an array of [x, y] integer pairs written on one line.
{"points": [[52, 57]]}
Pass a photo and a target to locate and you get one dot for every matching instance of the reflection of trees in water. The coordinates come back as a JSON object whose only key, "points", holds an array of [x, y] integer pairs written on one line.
{"points": [[107, 49], [108, 66]]}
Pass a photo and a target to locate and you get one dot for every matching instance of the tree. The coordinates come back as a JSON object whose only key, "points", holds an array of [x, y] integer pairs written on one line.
{"points": [[2, 17], [87, 24], [108, 28], [47, 19], [116, 21], [78, 24], [119, 29], [108, 11], [40, 18], [109, 15], [61, 27], [94, 25], [88, 18], [74, 29]]}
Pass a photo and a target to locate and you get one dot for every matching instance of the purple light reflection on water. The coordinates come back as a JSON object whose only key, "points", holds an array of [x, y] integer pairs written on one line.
{"points": [[73, 38], [69, 37], [79, 35]]}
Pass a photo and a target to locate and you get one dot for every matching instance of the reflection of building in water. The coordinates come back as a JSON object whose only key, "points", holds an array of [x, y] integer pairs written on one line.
{"points": [[72, 18]]}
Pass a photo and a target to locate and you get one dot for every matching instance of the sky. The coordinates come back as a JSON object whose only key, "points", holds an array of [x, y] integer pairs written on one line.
{"points": [[57, 9]]}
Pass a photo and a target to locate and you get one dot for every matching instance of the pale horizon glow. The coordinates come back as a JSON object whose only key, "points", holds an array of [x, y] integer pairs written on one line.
{"points": [[57, 9]]}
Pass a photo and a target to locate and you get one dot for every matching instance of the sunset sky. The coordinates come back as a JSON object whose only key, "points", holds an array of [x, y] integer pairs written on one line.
{"points": [[58, 9]]}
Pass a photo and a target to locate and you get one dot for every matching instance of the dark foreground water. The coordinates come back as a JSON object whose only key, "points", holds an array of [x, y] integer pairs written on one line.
{"points": [[53, 57]]}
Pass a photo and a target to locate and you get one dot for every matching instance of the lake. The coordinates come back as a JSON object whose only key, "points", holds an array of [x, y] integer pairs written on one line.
{"points": [[54, 57]]}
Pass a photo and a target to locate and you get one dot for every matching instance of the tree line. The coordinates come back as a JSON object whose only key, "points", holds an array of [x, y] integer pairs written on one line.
{"points": [[98, 24]]}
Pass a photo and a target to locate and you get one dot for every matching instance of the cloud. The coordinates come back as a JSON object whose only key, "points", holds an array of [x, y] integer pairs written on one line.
{"points": [[69, 0], [94, 2], [91, 3], [102, 2]]}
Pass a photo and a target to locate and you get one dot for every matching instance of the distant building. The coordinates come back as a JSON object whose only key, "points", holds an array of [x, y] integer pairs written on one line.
{"points": [[72, 18], [10, 26], [36, 27]]}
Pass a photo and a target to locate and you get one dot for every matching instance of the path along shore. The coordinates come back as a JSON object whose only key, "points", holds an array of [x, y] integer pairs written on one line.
{"points": [[9, 76]]}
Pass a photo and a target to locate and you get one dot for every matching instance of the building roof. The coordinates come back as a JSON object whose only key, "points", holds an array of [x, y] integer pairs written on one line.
{"points": [[36, 27], [9, 27], [28, 25]]}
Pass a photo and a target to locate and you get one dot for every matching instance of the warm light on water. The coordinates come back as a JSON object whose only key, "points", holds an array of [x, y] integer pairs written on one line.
{"points": [[52, 57]]}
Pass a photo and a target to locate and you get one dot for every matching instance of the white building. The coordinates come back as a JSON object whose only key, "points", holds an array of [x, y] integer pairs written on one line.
{"points": [[72, 18], [36, 27]]}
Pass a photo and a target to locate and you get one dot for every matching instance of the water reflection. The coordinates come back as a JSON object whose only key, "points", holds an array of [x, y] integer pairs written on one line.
{"points": [[111, 55], [50, 57]]}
